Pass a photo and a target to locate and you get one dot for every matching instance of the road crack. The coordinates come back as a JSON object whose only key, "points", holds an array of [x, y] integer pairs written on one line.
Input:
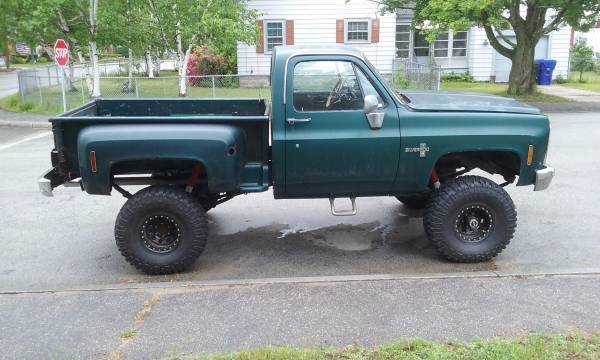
{"points": [[129, 334]]}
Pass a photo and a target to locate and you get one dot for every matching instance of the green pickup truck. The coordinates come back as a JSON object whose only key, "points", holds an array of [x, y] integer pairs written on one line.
{"points": [[333, 129]]}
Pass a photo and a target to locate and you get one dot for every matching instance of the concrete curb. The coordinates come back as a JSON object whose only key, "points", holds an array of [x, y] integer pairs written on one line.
{"points": [[26, 124], [195, 284]]}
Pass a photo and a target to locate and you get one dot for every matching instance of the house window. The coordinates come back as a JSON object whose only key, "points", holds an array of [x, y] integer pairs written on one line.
{"points": [[274, 34], [440, 45], [402, 41], [459, 44], [358, 31], [420, 44]]}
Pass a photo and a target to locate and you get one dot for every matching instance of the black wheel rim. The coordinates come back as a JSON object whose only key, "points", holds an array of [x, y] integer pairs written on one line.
{"points": [[160, 233], [474, 223]]}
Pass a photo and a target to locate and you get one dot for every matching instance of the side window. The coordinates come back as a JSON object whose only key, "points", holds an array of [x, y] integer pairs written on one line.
{"points": [[367, 86], [326, 86]]}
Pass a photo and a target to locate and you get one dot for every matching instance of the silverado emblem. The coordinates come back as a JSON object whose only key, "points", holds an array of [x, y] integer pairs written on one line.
{"points": [[422, 149]]}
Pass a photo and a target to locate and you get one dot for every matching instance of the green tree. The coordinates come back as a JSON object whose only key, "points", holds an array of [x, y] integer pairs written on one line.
{"points": [[582, 58], [530, 20], [10, 15], [219, 24]]}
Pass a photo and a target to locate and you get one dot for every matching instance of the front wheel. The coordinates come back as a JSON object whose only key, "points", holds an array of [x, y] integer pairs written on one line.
{"points": [[161, 230], [470, 219]]}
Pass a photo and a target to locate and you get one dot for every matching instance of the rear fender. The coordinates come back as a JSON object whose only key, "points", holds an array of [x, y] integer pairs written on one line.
{"points": [[219, 148]]}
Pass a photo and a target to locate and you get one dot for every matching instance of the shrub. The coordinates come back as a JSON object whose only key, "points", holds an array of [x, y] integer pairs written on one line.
{"points": [[25, 106], [560, 79], [582, 58], [457, 77], [203, 62]]}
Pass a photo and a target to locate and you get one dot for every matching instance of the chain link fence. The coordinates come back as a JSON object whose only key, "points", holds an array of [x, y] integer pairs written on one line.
{"points": [[412, 75], [42, 86]]}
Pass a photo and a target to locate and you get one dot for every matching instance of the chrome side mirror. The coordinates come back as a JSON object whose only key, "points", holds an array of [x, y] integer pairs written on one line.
{"points": [[370, 104], [374, 117]]}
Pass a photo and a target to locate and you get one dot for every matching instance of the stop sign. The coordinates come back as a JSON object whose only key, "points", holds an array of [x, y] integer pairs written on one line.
{"points": [[61, 52]]}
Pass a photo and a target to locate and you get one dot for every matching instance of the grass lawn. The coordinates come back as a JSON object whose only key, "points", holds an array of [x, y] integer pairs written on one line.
{"points": [[532, 347], [500, 89], [591, 81]]}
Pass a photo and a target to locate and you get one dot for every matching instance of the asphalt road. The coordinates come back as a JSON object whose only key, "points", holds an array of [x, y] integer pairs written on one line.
{"points": [[67, 241], [287, 272]]}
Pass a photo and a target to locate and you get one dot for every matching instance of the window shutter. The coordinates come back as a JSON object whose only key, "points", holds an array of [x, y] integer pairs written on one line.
{"points": [[375, 31], [289, 32], [260, 43], [339, 31]]}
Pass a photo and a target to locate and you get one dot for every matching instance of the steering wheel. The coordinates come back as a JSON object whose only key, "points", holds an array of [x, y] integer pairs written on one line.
{"points": [[334, 92]]}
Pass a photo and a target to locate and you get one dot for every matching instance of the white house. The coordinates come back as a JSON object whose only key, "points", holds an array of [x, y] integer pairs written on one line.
{"points": [[360, 24]]}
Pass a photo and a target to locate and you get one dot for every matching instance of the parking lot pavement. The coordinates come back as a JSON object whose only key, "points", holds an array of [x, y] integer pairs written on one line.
{"points": [[67, 241]]}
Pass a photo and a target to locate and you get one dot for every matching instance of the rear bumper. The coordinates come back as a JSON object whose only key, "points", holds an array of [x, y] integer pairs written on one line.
{"points": [[45, 181], [543, 178]]}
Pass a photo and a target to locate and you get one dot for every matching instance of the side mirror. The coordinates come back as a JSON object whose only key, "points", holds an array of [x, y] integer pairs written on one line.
{"points": [[370, 104], [374, 117]]}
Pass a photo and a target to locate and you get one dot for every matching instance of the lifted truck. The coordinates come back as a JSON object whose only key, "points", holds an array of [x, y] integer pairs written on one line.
{"points": [[334, 129]]}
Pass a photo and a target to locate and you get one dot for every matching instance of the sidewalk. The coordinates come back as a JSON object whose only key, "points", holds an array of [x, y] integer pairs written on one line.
{"points": [[193, 319], [577, 95], [37, 121]]}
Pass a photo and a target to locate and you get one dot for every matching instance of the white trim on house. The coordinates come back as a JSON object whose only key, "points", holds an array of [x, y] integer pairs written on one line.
{"points": [[266, 23], [347, 30]]}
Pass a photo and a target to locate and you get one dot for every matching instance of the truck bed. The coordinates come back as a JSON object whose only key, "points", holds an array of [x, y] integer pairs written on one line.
{"points": [[249, 115]]}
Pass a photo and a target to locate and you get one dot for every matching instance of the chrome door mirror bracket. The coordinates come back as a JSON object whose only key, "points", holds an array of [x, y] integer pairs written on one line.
{"points": [[375, 118]]}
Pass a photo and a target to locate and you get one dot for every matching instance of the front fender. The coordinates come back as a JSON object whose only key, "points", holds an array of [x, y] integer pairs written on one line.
{"points": [[219, 148]]}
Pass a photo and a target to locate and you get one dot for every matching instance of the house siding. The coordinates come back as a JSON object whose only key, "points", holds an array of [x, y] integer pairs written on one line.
{"points": [[315, 25]]}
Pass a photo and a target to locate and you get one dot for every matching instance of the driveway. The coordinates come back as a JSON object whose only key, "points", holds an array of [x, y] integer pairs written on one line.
{"points": [[571, 93]]}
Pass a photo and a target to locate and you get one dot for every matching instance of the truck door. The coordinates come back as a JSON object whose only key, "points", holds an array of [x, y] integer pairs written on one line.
{"points": [[331, 148]]}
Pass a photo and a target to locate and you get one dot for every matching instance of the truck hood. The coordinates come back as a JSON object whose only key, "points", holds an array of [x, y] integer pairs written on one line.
{"points": [[471, 102]]}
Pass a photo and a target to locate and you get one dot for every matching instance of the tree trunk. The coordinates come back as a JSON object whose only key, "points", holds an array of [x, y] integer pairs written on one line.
{"points": [[129, 70], [7, 53], [95, 70], [72, 87], [81, 58], [183, 71], [521, 80], [149, 64]]}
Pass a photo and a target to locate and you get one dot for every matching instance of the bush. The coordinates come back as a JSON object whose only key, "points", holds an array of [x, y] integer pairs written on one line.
{"points": [[25, 106], [560, 79], [457, 77], [582, 58], [203, 62]]}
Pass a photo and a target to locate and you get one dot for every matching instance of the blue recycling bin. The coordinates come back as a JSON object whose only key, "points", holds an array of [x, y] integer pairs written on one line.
{"points": [[544, 71]]}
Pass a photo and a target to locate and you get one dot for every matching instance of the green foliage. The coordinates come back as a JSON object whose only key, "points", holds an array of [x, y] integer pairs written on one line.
{"points": [[535, 346], [401, 82], [457, 76], [560, 79], [25, 106], [582, 58]]}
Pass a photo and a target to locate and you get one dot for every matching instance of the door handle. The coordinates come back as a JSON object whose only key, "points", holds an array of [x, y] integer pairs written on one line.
{"points": [[292, 121]]}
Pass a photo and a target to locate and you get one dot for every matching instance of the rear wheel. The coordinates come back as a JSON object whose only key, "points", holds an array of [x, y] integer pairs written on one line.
{"points": [[470, 219], [161, 230]]}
